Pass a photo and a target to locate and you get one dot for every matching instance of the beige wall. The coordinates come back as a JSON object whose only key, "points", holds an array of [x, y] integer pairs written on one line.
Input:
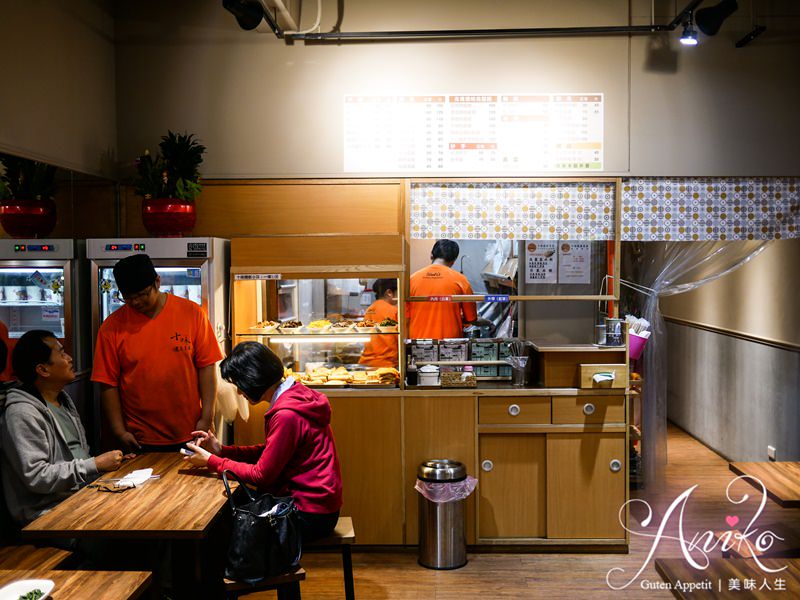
{"points": [[267, 109], [758, 299], [58, 89]]}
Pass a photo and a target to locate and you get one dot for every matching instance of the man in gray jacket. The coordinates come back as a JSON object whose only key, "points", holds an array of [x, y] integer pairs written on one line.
{"points": [[44, 455]]}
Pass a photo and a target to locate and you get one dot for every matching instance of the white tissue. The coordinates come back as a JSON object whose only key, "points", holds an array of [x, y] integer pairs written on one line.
{"points": [[600, 377], [135, 479]]}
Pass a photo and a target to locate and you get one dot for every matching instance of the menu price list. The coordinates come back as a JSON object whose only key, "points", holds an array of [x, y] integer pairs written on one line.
{"points": [[497, 132]]}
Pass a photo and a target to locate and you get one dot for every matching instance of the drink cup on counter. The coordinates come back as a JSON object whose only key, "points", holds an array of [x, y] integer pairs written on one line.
{"points": [[614, 332], [600, 335], [518, 370]]}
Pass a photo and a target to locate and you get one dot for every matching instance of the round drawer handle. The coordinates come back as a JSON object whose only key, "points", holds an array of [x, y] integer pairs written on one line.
{"points": [[514, 410], [487, 465], [615, 465], [588, 409]]}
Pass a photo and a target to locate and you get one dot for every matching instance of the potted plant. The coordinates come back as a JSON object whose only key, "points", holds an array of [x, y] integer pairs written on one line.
{"points": [[169, 183], [27, 209]]}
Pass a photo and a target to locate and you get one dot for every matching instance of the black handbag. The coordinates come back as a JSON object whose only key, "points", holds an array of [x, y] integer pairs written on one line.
{"points": [[265, 540]]}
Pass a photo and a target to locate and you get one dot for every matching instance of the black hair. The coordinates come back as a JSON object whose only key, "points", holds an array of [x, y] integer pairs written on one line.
{"points": [[381, 286], [30, 351], [445, 249], [253, 368]]}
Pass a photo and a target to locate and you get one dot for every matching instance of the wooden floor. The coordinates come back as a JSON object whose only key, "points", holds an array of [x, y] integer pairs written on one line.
{"points": [[396, 575]]}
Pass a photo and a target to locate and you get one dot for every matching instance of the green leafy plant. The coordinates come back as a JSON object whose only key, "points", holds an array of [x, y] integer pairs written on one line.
{"points": [[24, 179], [173, 172]]}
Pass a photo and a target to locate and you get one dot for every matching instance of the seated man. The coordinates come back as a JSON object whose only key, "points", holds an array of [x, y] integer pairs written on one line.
{"points": [[43, 448]]}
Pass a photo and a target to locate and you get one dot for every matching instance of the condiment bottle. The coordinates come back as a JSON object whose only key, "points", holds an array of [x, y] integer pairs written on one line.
{"points": [[412, 377]]}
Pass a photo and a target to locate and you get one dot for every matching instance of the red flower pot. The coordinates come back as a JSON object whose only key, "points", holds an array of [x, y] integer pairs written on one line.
{"points": [[28, 218], [168, 217]]}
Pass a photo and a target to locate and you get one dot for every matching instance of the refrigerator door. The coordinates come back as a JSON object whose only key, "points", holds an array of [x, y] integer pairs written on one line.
{"points": [[32, 298], [185, 282]]}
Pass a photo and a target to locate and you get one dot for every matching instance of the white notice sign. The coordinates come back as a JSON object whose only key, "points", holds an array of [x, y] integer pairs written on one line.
{"points": [[507, 133], [574, 262], [540, 261]]}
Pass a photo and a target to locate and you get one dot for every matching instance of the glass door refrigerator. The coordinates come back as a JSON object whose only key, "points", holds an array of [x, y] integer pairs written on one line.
{"points": [[194, 268], [41, 288]]}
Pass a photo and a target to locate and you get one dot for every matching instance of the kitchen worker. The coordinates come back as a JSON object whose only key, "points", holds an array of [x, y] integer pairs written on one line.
{"points": [[441, 320], [381, 350], [155, 362]]}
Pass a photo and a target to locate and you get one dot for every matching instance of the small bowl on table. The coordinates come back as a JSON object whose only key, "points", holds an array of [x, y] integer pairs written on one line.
{"points": [[387, 328], [371, 329]]}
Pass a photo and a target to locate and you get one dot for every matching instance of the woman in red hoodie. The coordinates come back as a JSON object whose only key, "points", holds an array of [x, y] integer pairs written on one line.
{"points": [[298, 458]]}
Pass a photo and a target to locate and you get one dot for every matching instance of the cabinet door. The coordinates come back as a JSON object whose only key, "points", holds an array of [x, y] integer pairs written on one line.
{"points": [[584, 490], [442, 427], [512, 494], [367, 434]]}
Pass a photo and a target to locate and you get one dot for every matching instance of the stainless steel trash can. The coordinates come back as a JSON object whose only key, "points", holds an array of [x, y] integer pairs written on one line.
{"points": [[442, 537]]}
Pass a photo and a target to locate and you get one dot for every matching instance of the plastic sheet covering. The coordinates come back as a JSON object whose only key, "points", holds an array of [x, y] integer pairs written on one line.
{"points": [[446, 491], [673, 268]]}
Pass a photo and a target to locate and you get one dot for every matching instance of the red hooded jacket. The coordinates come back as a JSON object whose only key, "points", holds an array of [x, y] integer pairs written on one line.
{"points": [[299, 457]]}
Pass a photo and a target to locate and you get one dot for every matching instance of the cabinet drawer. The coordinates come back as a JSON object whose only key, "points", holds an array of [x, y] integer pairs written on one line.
{"points": [[514, 410], [588, 409]]}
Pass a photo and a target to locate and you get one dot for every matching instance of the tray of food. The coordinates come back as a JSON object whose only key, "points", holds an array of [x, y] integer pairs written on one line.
{"points": [[342, 326], [265, 327], [384, 377], [388, 325], [319, 326], [367, 326], [292, 326]]}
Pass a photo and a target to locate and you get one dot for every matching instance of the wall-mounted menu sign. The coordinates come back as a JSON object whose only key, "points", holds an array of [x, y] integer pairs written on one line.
{"points": [[474, 132], [550, 261], [574, 262], [541, 262]]}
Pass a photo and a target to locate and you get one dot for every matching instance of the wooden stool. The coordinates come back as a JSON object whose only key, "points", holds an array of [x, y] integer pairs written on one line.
{"points": [[20, 558], [288, 586], [341, 539]]}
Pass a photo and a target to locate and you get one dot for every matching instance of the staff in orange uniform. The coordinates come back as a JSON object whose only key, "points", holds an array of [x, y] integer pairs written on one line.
{"points": [[381, 350], [440, 320]]}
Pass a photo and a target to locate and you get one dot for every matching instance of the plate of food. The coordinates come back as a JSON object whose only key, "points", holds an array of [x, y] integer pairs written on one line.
{"points": [[291, 326], [366, 326], [266, 326], [388, 325], [27, 589], [319, 326], [342, 326]]}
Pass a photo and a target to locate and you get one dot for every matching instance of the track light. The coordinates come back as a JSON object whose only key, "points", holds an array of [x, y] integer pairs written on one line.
{"points": [[248, 13], [689, 35], [710, 19]]}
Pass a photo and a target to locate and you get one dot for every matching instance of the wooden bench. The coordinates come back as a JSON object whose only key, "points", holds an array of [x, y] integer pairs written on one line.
{"points": [[341, 539], [288, 586], [19, 558]]}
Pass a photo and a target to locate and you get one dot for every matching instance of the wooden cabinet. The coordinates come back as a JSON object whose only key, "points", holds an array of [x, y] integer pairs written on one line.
{"points": [[588, 409], [586, 485], [514, 410], [437, 427], [367, 434], [512, 494]]}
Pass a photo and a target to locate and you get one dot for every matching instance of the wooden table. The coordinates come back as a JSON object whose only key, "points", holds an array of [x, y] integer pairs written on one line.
{"points": [[782, 479], [79, 585], [721, 571], [179, 507], [182, 504]]}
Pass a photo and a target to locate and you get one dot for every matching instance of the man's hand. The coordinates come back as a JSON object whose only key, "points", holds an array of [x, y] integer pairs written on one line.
{"points": [[109, 461], [204, 425], [129, 442], [208, 441], [200, 456]]}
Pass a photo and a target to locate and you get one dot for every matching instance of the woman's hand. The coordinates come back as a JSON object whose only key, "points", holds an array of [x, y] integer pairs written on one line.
{"points": [[200, 456], [208, 441]]}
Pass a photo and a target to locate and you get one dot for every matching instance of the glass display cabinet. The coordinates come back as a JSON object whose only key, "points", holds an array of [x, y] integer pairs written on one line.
{"points": [[329, 330]]}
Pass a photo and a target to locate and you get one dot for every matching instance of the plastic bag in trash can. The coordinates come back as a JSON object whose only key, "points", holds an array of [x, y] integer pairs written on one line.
{"points": [[446, 491]]}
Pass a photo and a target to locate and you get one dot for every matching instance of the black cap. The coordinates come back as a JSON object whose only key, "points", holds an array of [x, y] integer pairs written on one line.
{"points": [[134, 273]]}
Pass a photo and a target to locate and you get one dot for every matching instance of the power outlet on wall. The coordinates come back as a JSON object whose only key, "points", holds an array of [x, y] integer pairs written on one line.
{"points": [[771, 452]]}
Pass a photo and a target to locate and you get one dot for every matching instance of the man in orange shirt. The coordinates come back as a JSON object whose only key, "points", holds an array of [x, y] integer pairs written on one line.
{"points": [[381, 350], [156, 363], [440, 320]]}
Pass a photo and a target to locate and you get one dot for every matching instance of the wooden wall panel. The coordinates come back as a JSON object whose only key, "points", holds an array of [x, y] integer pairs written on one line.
{"points": [[238, 208], [317, 251]]}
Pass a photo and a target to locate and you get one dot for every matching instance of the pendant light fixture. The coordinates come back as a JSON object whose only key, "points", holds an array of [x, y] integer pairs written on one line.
{"points": [[689, 35]]}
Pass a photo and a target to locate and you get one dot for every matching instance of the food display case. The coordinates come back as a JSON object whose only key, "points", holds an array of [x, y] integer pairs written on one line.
{"points": [[312, 301]]}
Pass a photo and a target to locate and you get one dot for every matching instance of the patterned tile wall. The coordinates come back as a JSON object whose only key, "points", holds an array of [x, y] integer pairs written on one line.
{"points": [[653, 209]]}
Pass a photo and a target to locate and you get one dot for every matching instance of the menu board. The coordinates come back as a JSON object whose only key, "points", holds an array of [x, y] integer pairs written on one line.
{"points": [[473, 132], [541, 262]]}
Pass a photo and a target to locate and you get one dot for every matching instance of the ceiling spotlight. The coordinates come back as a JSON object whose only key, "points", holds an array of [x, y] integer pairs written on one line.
{"points": [[248, 13], [689, 35], [710, 19]]}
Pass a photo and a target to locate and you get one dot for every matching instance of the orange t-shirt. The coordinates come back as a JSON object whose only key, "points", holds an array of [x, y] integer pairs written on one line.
{"points": [[439, 320], [154, 364], [381, 350]]}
